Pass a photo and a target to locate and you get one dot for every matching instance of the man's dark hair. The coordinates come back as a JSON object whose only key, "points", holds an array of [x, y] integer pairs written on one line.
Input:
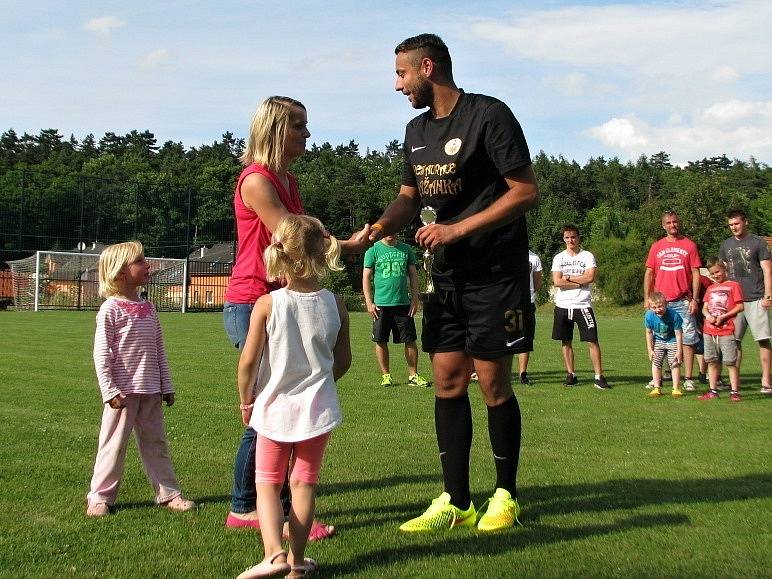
{"points": [[570, 227], [736, 213], [428, 46]]}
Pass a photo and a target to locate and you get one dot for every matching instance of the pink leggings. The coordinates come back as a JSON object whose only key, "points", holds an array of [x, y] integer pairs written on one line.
{"points": [[272, 459]]}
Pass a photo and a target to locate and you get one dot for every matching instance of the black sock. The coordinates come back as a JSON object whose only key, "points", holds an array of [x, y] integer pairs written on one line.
{"points": [[453, 423], [504, 432]]}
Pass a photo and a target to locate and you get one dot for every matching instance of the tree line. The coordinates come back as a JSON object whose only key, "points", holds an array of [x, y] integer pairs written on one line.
{"points": [[173, 197]]}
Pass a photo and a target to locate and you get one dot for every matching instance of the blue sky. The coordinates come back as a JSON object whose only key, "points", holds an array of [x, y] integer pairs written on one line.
{"points": [[584, 78]]}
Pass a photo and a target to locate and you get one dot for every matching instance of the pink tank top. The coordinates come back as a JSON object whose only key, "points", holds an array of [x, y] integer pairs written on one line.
{"points": [[248, 279]]}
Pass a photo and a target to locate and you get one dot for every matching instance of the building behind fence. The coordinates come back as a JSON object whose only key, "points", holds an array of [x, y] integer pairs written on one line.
{"points": [[53, 227]]}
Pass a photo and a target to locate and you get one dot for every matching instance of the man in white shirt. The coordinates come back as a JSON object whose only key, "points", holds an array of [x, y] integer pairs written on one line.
{"points": [[536, 280], [573, 272]]}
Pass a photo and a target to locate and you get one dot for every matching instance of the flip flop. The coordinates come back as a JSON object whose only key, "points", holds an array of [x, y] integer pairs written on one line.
{"points": [[234, 522], [319, 531], [267, 568], [309, 567]]}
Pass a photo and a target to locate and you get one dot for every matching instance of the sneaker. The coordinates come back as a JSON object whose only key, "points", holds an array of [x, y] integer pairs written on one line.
{"points": [[180, 504], [676, 393], [97, 510], [689, 385], [734, 397], [723, 386], [524, 378], [418, 380], [501, 514], [386, 380], [441, 515], [709, 395], [702, 378], [571, 380], [655, 393], [473, 377], [766, 390], [601, 384], [651, 384]]}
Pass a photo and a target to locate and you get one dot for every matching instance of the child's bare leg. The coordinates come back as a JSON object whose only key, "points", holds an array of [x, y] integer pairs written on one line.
{"points": [[676, 373], [656, 373], [714, 371], [271, 518], [301, 517], [734, 377]]}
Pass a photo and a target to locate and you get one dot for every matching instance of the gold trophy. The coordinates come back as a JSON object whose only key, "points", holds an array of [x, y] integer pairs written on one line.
{"points": [[428, 215]]}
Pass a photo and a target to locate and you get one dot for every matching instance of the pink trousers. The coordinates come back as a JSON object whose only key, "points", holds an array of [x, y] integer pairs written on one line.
{"points": [[143, 414], [272, 459]]}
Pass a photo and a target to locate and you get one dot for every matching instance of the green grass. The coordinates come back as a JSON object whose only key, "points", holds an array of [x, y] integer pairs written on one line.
{"points": [[611, 483]]}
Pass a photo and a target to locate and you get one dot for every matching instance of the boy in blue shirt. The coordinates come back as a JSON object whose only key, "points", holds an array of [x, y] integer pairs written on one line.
{"points": [[663, 337]]}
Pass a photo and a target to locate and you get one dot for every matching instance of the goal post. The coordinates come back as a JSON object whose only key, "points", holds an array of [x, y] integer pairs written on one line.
{"points": [[65, 280]]}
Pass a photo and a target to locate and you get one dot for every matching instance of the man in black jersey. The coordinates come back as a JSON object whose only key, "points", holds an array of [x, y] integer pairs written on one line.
{"points": [[466, 157]]}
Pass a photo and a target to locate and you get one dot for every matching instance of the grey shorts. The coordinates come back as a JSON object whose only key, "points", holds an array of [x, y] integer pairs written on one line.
{"points": [[721, 349], [756, 317]]}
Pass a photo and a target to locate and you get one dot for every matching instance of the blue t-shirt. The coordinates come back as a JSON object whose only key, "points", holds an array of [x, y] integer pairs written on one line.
{"points": [[663, 328]]}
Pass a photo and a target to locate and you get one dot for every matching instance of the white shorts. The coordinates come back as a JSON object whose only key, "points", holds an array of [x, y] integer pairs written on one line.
{"points": [[756, 317]]}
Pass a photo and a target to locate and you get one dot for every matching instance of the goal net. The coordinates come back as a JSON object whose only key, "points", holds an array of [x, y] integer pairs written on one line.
{"points": [[65, 280]]}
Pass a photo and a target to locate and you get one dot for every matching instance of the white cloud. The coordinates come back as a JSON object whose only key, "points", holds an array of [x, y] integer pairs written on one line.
{"points": [[154, 58], [648, 38], [736, 128], [103, 24], [725, 74]]}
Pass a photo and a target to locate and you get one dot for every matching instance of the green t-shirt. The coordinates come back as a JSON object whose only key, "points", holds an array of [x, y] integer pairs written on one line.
{"points": [[390, 265]]}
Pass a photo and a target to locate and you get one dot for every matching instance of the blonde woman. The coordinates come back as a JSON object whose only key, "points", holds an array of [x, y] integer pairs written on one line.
{"points": [[266, 191]]}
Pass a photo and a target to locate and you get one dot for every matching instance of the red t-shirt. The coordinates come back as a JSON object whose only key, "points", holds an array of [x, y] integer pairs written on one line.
{"points": [[719, 299], [248, 279], [672, 262]]}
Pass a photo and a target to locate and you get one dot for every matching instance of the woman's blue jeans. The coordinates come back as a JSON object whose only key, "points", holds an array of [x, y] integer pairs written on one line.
{"points": [[244, 494]]}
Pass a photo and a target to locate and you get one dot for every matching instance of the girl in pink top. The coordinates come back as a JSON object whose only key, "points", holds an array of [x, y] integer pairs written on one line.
{"points": [[134, 377], [296, 348]]}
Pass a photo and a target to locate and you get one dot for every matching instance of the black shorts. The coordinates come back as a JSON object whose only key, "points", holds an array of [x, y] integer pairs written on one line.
{"points": [[563, 324], [396, 321], [488, 321]]}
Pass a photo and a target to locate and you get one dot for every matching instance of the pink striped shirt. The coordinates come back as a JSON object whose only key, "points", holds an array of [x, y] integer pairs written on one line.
{"points": [[129, 353]]}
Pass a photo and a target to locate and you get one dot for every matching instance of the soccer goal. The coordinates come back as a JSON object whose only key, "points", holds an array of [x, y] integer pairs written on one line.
{"points": [[65, 280]]}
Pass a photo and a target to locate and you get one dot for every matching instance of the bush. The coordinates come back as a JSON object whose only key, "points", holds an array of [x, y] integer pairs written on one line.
{"points": [[621, 264]]}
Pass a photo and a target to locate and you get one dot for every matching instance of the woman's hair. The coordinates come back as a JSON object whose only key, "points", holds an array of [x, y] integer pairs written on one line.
{"points": [[301, 248], [111, 262], [268, 132]]}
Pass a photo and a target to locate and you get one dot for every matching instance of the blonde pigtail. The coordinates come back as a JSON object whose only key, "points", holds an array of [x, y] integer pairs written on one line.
{"points": [[332, 255]]}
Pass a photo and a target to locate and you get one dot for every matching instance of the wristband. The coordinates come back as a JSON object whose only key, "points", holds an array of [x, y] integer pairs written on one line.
{"points": [[246, 406]]}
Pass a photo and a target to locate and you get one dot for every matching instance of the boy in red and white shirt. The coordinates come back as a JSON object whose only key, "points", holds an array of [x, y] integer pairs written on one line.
{"points": [[722, 302]]}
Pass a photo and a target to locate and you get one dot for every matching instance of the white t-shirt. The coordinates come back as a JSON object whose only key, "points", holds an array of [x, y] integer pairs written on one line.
{"points": [[535, 262], [573, 265], [296, 395]]}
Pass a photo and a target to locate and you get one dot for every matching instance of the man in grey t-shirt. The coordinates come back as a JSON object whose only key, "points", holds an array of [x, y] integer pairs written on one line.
{"points": [[748, 263]]}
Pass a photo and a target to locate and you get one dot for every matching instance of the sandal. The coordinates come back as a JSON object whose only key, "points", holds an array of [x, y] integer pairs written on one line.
{"points": [[309, 567], [267, 568]]}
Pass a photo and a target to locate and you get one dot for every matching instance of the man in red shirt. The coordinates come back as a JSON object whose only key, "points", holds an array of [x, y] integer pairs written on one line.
{"points": [[673, 268]]}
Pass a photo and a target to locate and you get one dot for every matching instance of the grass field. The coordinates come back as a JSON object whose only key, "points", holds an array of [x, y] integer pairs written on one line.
{"points": [[611, 483]]}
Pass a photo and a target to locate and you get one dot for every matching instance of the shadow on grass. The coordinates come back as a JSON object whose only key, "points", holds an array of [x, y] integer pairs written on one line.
{"points": [[538, 502], [470, 542]]}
